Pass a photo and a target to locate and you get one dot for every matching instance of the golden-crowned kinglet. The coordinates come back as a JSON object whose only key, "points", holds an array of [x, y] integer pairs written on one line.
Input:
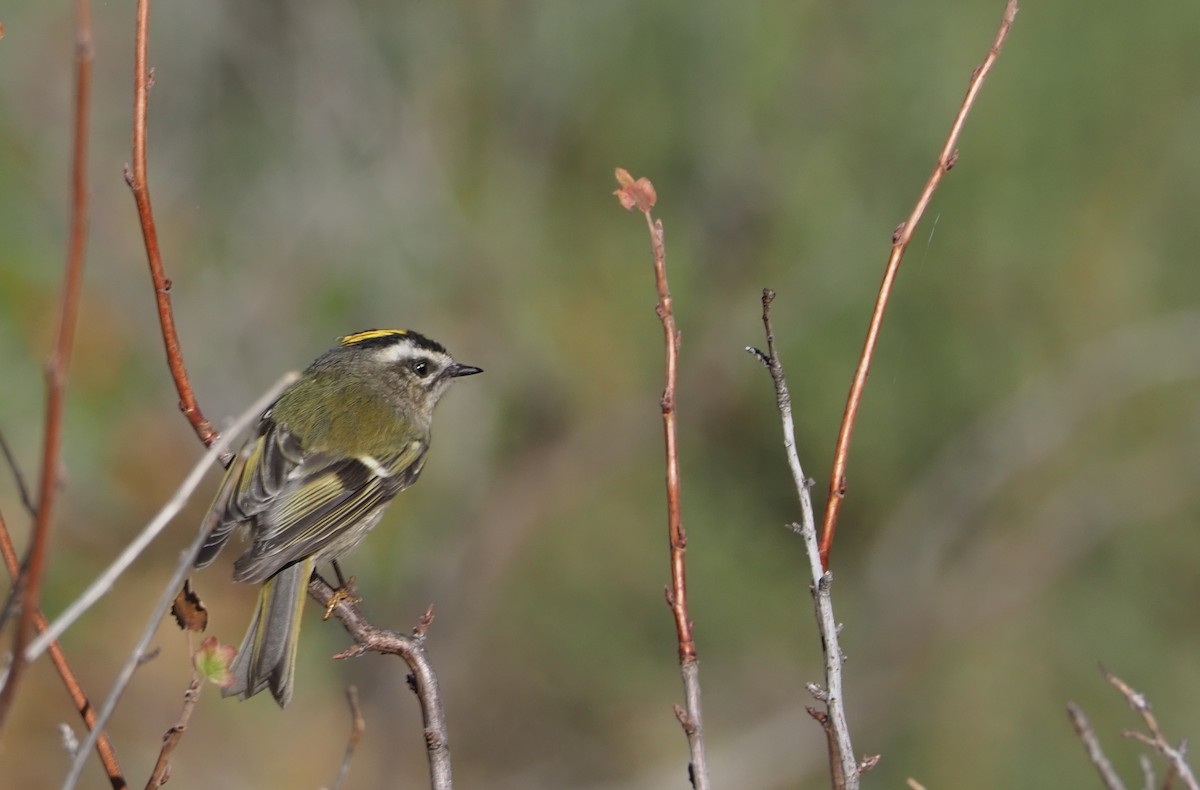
{"points": [[329, 455]]}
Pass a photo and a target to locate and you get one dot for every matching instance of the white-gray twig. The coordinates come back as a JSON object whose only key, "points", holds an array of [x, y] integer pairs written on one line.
{"points": [[181, 569], [1083, 728], [104, 582], [1176, 756], [845, 767]]}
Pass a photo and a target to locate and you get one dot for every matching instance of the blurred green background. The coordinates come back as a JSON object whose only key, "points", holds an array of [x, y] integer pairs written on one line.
{"points": [[1023, 495]]}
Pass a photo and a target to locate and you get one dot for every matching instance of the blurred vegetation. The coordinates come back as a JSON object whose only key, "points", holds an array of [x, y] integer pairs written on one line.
{"points": [[1023, 493]]}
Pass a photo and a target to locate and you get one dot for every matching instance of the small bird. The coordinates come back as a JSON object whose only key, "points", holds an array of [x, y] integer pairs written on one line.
{"points": [[330, 453]]}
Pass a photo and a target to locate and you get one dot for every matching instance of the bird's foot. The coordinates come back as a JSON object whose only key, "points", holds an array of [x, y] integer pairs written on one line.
{"points": [[343, 594]]}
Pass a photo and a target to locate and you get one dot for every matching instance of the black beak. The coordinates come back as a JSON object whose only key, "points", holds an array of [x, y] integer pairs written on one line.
{"points": [[456, 370]]}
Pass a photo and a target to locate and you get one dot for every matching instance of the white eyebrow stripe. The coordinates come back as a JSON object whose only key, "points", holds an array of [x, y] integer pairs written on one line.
{"points": [[403, 351], [397, 352]]}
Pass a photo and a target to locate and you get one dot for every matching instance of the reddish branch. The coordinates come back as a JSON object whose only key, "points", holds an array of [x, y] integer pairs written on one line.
{"points": [[136, 178], [104, 749], [28, 586], [162, 767], [900, 240], [640, 194]]}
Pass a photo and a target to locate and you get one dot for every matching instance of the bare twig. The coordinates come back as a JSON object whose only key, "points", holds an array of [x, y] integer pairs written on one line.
{"points": [[843, 766], [136, 178], [640, 194], [182, 568], [1083, 728], [104, 582], [370, 638], [104, 749], [1148, 774], [162, 767], [1176, 756], [357, 727], [900, 240], [22, 489], [28, 586]]}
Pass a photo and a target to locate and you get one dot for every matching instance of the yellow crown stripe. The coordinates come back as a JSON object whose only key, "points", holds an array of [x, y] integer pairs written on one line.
{"points": [[371, 334]]}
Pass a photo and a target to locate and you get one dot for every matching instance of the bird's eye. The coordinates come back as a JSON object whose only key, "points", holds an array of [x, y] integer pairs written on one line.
{"points": [[421, 367]]}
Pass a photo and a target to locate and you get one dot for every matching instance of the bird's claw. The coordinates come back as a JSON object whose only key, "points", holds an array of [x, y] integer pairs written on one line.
{"points": [[343, 594]]}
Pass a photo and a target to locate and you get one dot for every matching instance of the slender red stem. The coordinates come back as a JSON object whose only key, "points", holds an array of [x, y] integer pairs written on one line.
{"points": [[28, 586], [136, 178], [900, 240], [640, 194]]}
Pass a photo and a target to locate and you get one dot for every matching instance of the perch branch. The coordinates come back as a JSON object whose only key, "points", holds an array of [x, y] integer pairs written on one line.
{"points": [[843, 766], [28, 586], [136, 179], [372, 639], [900, 240], [640, 194]]}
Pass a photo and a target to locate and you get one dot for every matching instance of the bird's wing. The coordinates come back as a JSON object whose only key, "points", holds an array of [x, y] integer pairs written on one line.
{"points": [[254, 478], [324, 507]]}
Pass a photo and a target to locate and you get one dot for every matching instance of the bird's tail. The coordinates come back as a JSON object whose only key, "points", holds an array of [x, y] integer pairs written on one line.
{"points": [[267, 657]]}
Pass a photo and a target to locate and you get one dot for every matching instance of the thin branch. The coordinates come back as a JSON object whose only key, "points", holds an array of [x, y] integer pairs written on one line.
{"points": [[1083, 728], [104, 749], [136, 178], [28, 587], [1176, 756], [844, 768], [640, 194], [105, 581], [162, 767], [357, 727], [22, 489], [1148, 774], [182, 568], [370, 638], [900, 240]]}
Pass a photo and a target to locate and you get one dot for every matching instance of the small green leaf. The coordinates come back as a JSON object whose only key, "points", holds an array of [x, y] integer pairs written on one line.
{"points": [[213, 661]]}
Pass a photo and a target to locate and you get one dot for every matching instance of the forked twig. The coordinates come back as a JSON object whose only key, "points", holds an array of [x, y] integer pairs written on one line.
{"points": [[1176, 755], [900, 240], [640, 194], [424, 682]]}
